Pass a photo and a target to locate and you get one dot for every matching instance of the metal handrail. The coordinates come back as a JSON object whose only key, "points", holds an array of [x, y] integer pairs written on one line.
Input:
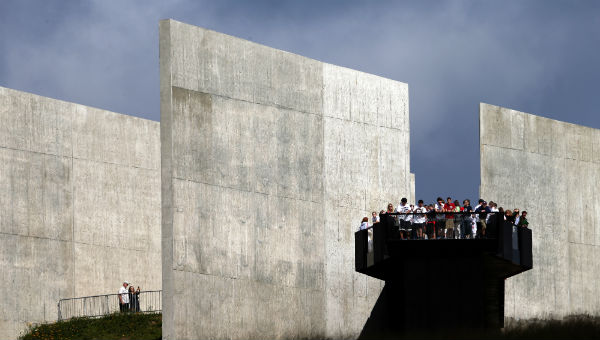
{"points": [[149, 301]]}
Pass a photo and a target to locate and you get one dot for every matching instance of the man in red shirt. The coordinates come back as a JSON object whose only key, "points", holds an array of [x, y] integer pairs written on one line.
{"points": [[449, 207]]}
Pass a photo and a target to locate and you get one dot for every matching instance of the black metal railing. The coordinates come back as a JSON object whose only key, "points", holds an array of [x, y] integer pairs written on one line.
{"points": [[511, 242], [100, 305], [442, 225]]}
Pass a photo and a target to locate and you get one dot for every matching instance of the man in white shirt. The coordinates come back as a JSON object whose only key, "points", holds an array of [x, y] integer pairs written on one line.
{"points": [[124, 297], [404, 208], [374, 218], [419, 220]]}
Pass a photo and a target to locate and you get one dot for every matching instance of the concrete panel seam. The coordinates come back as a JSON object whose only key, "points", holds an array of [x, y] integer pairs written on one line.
{"points": [[37, 237], [78, 158], [282, 107], [540, 154], [118, 164], [584, 244], [70, 241], [363, 123], [34, 152], [241, 190], [242, 279], [110, 247]]}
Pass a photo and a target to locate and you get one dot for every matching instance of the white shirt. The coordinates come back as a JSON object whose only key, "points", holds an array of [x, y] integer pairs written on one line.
{"points": [[124, 294], [440, 207], [404, 209], [420, 218]]}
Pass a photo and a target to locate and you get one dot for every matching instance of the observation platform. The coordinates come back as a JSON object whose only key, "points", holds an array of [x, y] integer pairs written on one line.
{"points": [[439, 284]]}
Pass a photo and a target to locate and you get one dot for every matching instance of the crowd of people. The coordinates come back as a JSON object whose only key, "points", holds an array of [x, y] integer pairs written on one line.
{"points": [[129, 298], [445, 219]]}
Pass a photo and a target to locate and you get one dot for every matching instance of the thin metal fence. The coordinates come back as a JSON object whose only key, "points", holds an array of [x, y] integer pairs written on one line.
{"points": [[100, 305]]}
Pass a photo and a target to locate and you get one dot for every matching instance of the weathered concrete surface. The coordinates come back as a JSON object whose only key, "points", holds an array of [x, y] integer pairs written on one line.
{"points": [[366, 153], [552, 170], [269, 161], [79, 205]]}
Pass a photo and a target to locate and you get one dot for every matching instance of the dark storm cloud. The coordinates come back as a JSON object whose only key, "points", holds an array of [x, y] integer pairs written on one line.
{"points": [[533, 56]]}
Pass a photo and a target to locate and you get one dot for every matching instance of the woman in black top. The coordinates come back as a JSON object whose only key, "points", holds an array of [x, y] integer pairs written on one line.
{"points": [[134, 299], [465, 226]]}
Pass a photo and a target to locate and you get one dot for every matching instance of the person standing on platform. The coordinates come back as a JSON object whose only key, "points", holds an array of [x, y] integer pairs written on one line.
{"points": [[517, 217], [458, 218], [482, 212], [374, 218], [419, 219], [523, 220], [124, 297], [404, 208], [364, 224], [440, 223], [466, 229], [449, 207]]}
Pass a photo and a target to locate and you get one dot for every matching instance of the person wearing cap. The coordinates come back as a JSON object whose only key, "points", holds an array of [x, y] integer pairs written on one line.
{"points": [[124, 297]]}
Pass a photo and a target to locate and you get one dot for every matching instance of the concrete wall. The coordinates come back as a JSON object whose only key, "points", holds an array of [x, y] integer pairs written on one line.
{"points": [[552, 170], [79, 205], [269, 161]]}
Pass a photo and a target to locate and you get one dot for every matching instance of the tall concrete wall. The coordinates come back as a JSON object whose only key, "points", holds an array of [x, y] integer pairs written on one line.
{"points": [[552, 170], [269, 161], [79, 205]]}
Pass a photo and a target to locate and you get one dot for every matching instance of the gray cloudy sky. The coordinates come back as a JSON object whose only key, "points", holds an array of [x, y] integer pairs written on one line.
{"points": [[540, 57]]}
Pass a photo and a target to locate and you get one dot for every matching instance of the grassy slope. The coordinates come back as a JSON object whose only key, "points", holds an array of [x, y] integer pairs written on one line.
{"points": [[114, 326], [148, 326]]}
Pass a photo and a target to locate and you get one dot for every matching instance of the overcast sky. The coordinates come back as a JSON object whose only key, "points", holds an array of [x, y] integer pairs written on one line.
{"points": [[540, 57]]}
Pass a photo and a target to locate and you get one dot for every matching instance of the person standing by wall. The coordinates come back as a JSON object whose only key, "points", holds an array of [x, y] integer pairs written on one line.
{"points": [[134, 299], [124, 297]]}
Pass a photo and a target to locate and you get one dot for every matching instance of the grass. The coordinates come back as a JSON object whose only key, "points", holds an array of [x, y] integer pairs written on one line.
{"points": [[571, 327], [148, 327], [114, 326]]}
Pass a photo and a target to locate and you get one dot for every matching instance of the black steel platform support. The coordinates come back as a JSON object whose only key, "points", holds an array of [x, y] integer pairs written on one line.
{"points": [[448, 284]]}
